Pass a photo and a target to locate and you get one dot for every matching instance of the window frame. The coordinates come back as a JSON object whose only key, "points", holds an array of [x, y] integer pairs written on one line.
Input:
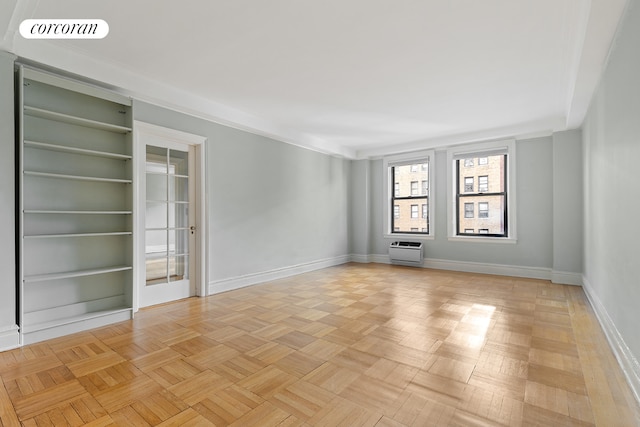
{"points": [[485, 149], [424, 156]]}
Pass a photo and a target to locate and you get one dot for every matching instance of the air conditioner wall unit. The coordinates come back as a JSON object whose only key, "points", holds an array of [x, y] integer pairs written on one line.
{"points": [[406, 253]]}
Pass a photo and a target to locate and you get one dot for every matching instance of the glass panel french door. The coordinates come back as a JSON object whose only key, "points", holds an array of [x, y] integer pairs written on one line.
{"points": [[168, 235]]}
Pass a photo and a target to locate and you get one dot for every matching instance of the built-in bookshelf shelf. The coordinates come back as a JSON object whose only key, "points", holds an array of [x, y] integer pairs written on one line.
{"points": [[77, 177], [75, 150], [52, 236], [79, 273], [56, 212], [74, 120]]}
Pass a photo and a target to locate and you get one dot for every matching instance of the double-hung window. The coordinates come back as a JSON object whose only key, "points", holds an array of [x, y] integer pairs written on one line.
{"points": [[481, 188], [408, 196]]}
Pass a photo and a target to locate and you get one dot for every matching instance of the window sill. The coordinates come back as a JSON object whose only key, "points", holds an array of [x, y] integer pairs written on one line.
{"points": [[478, 239], [400, 236]]}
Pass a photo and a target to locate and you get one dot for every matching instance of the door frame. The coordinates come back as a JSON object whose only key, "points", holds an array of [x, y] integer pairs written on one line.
{"points": [[200, 276]]}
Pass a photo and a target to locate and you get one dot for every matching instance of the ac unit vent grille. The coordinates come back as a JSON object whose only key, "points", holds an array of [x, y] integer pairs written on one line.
{"points": [[406, 253]]}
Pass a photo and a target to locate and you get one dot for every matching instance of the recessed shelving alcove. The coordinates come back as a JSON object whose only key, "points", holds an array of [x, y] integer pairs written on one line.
{"points": [[76, 206]]}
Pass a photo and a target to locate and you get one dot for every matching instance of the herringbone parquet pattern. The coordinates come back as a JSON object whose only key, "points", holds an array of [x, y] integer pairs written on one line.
{"points": [[354, 345]]}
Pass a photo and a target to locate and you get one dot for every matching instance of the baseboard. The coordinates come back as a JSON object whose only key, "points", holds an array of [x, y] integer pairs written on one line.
{"points": [[467, 267], [232, 283], [628, 363], [566, 278], [365, 259], [558, 277], [485, 268], [9, 337]]}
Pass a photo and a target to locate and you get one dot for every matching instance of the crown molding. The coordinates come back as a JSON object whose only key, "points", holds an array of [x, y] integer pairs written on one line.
{"points": [[116, 77]]}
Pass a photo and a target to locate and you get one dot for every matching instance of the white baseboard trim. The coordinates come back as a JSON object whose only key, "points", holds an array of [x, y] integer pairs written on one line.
{"points": [[484, 268], [229, 284], [628, 362], [467, 267], [566, 278], [366, 259], [558, 277], [363, 259], [9, 337]]}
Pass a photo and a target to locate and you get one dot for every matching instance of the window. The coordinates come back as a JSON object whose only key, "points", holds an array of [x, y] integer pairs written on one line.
{"points": [[468, 210], [468, 184], [468, 162], [483, 184], [408, 198], [468, 198], [495, 216], [414, 188], [483, 210]]}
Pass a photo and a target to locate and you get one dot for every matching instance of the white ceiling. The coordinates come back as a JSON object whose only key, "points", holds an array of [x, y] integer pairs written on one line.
{"points": [[356, 78]]}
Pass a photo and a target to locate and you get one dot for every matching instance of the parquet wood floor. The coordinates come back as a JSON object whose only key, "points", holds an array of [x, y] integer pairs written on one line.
{"points": [[353, 345]]}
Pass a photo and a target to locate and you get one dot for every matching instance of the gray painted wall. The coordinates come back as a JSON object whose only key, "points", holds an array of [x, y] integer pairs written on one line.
{"points": [[7, 207], [567, 201], [271, 205], [360, 208], [611, 138]]}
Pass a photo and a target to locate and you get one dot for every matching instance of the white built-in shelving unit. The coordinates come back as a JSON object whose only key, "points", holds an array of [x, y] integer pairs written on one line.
{"points": [[76, 206]]}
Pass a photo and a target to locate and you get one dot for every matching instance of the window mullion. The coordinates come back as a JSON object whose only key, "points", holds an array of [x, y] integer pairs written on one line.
{"points": [[457, 183], [506, 204], [503, 193]]}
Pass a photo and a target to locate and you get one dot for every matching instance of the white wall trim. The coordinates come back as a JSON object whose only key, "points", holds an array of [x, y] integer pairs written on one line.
{"points": [[468, 267], [557, 277], [68, 60], [566, 278], [9, 337], [366, 259], [485, 268], [362, 259], [628, 363], [231, 283]]}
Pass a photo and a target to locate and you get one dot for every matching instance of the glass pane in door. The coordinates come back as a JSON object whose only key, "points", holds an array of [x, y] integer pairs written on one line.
{"points": [[167, 215]]}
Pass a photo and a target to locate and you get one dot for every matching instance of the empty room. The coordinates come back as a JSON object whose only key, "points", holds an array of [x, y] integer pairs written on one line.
{"points": [[294, 213]]}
